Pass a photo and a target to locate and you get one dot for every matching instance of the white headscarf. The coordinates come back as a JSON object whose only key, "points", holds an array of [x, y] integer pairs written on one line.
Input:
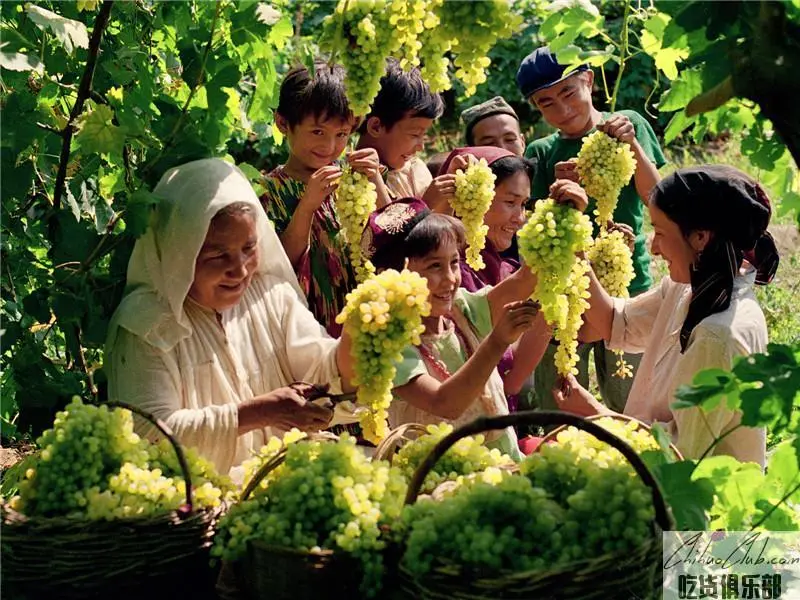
{"points": [[161, 268]]}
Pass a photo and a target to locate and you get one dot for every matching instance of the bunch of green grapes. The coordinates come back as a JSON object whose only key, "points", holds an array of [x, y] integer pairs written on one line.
{"points": [[382, 317], [411, 18], [356, 198], [548, 243], [474, 28], [269, 451], [467, 455], [505, 526], [436, 43], [577, 296], [326, 495], [92, 464], [612, 262], [607, 507], [473, 197], [605, 165], [360, 34]]}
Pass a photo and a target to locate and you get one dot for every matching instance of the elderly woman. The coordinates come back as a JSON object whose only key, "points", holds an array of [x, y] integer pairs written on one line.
{"points": [[214, 328], [710, 226]]}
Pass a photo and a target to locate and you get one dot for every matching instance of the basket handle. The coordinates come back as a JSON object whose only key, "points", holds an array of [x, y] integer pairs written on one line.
{"points": [[541, 418], [388, 447], [167, 432]]}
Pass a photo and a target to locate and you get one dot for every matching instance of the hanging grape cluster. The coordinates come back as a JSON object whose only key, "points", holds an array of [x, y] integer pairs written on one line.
{"points": [[473, 197], [93, 465], [605, 165], [355, 199], [612, 262], [467, 30], [360, 35], [382, 317], [548, 243], [325, 496]]}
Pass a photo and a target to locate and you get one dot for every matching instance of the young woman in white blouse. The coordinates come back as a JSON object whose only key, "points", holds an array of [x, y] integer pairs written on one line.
{"points": [[213, 328], [710, 226]]}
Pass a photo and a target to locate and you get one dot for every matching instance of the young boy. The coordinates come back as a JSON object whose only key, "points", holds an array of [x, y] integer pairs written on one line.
{"points": [[565, 102], [315, 117], [401, 115], [493, 123]]}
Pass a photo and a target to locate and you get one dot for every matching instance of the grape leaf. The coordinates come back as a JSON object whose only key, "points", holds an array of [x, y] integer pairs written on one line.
{"points": [[689, 499], [16, 61], [97, 133], [72, 34], [688, 85]]}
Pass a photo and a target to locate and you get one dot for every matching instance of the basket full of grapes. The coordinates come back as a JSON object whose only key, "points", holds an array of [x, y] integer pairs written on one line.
{"points": [[579, 520], [103, 512], [310, 522]]}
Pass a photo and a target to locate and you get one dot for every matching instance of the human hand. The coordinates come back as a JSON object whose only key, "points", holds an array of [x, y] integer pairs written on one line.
{"points": [[439, 193], [365, 161], [564, 191], [290, 406], [516, 319], [321, 183], [619, 127], [566, 170], [572, 397], [461, 162], [626, 231]]}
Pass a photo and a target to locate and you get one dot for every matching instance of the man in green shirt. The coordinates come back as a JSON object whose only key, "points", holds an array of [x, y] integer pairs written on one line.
{"points": [[565, 102]]}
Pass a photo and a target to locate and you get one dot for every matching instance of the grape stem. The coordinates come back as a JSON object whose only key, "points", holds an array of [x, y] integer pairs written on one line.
{"points": [[623, 55]]}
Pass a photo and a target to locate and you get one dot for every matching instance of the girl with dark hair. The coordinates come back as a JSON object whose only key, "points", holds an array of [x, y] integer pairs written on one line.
{"points": [[451, 375], [711, 227]]}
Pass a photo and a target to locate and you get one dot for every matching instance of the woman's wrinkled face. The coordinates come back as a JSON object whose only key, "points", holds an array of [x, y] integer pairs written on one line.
{"points": [[226, 262], [670, 244], [441, 269], [507, 213]]}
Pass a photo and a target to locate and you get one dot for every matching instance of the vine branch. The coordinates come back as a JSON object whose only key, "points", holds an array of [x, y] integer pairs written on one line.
{"points": [[84, 90], [623, 55]]}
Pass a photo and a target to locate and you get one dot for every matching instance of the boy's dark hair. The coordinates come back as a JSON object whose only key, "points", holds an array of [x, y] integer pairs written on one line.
{"points": [[426, 236], [404, 94], [505, 167], [321, 95]]}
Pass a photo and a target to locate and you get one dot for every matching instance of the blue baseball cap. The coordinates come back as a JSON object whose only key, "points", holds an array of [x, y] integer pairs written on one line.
{"points": [[540, 70]]}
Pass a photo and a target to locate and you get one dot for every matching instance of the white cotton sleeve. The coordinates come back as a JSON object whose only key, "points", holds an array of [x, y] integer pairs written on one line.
{"points": [[310, 350], [633, 321], [145, 377]]}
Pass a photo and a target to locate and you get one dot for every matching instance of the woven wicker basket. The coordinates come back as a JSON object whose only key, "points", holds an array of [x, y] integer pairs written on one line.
{"points": [[68, 557], [279, 573], [551, 437], [610, 576], [396, 439]]}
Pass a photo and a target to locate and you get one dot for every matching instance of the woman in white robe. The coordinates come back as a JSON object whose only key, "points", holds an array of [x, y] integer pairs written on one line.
{"points": [[213, 327]]}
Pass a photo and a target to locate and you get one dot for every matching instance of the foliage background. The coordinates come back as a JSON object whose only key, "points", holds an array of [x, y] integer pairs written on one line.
{"points": [[99, 99]]}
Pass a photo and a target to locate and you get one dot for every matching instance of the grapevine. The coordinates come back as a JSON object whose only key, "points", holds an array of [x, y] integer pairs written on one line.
{"points": [[382, 317], [326, 495], [92, 464], [548, 243], [467, 455], [355, 200], [612, 262], [473, 197], [360, 34], [605, 165]]}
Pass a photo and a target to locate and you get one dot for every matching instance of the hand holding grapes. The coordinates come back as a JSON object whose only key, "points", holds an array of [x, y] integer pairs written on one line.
{"points": [[626, 230], [566, 170], [564, 191], [321, 183], [365, 161], [619, 127], [439, 193], [516, 319]]}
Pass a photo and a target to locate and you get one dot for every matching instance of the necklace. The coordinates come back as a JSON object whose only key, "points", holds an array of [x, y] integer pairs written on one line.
{"points": [[437, 364]]}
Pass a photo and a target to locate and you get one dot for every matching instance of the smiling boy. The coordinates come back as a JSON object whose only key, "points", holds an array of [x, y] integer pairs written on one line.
{"points": [[565, 102]]}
